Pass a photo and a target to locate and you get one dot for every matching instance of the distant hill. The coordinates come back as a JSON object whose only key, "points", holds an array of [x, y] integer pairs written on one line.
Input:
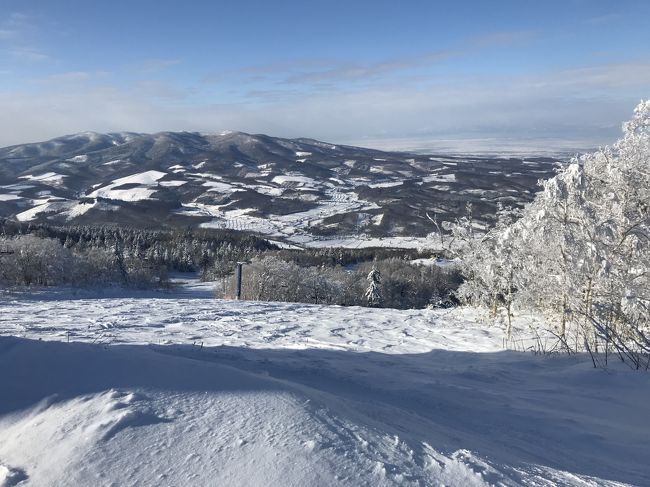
{"points": [[297, 190]]}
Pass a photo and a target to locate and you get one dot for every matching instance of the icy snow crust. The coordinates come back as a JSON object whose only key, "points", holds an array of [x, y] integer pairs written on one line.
{"points": [[181, 389]]}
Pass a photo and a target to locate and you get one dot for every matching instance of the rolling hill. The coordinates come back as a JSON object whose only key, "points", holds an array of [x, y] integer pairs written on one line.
{"points": [[301, 191]]}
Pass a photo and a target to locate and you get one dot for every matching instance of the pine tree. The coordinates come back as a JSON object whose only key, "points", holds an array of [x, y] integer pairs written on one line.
{"points": [[373, 293]]}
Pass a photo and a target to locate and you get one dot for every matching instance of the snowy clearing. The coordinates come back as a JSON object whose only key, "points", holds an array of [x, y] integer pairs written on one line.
{"points": [[48, 177], [146, 186], [9, 197], [182, 389]]}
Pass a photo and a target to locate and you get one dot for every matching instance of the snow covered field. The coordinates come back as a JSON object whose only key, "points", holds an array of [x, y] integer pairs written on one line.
{"points": [[182, 389]]}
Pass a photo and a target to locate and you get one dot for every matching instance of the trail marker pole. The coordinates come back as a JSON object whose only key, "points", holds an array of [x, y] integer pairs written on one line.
{"points": [[239, 272]]}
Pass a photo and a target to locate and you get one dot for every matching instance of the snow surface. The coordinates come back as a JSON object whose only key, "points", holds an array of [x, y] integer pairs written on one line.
{"points": [[387, 184], [293, 227], [79, 158], [172, 184], [9, 197], [147, 182], [44, 206], [82, 208], [441, 178], [48, 177], [181, 389], [294, 178]]}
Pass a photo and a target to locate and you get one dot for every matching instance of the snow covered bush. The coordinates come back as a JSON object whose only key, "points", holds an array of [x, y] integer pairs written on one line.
{"points": [[28, 260], [579, 254], [403, 285], [33, 261]]}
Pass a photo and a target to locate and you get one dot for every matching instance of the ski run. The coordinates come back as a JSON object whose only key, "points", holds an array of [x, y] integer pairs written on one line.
{"points": [[183, 389]]}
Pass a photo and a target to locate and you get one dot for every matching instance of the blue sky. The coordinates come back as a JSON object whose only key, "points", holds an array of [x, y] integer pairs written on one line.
{"points": [[411, 74]]}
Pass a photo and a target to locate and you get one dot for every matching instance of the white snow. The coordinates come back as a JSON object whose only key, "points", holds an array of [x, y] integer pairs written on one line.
{"points": [[79, 158], [441, 178], [144, 178], [219, 187], [147, 182], [435, 261], [178, 390], [9, 197], [48, 177], [294, 227], [363, 241], [172, 184], [377, 219], [380, 170], [83, 207], [294, 179], [268, 190], [17, 187], [386, 184], [133, 194], [44, 206]]}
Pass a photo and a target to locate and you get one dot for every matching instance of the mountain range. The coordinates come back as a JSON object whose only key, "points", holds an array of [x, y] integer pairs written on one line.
{"points": [[298, 191]]}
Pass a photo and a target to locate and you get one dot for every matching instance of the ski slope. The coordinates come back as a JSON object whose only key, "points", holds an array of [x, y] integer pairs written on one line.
{"points": [[182, 389]]}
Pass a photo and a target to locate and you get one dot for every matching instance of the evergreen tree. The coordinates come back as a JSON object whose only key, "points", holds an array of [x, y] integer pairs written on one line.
{"points": [[373, 292]]}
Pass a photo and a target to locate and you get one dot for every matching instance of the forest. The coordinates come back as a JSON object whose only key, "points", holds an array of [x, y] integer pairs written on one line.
{"points": [[97, 256]]}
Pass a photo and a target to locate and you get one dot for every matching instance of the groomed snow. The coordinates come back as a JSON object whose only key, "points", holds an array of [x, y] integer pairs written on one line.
{"points": [[181, 389]]}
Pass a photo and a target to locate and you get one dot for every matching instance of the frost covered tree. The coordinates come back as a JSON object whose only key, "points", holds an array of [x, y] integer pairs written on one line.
{"points": [[579, 254], [373, 293]]}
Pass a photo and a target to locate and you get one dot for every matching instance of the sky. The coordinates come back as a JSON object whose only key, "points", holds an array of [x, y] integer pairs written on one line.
{"points": [[465, 75]]}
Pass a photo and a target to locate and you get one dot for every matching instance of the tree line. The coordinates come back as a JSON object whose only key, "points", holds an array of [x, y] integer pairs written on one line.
{"points": [[43, 255], [96, 256]]}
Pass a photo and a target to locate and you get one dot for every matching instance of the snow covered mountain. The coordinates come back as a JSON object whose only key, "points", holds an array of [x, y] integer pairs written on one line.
{"points": [[299, 190]]}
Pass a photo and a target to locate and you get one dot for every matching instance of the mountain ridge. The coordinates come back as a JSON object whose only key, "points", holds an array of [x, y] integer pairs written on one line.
{"points": [[299, 190]]}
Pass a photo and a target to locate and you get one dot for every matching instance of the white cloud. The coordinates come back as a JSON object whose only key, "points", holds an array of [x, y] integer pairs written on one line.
{"points": [[15, 32], [582, 106], [27, 53]]}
